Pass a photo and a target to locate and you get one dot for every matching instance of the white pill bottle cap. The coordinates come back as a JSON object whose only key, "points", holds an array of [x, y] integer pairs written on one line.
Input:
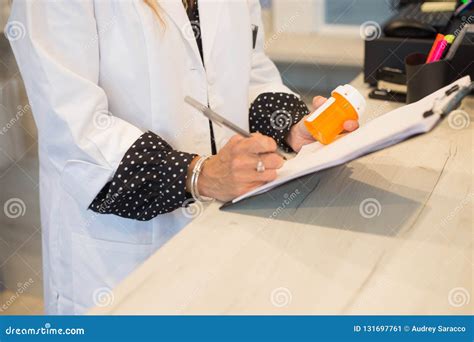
{"points": [[353, 96]]}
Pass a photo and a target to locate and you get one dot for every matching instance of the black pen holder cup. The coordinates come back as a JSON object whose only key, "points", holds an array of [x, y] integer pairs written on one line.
{"points": [[424, 79]]}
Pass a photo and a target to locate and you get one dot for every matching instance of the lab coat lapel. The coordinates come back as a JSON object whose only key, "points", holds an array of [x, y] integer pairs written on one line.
{"points": [[177, 13], [209, 13]]}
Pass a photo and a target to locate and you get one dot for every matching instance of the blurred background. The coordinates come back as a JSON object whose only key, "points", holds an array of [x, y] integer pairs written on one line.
{"points": [[20, 237], [316, 44]]}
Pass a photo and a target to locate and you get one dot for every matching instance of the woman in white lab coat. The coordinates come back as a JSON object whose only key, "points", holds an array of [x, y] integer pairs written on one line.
{"points": [[118, 145]]}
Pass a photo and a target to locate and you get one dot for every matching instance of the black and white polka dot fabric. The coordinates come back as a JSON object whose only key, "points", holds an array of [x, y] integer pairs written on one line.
{"points": [[274, 114], [150, 180]]}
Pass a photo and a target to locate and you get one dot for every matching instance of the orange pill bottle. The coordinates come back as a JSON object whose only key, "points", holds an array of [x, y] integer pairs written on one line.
{"points": [[327, 122]]}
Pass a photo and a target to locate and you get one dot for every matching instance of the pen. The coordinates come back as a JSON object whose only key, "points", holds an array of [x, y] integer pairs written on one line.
{"points": [[219, 120], [454, 48]]}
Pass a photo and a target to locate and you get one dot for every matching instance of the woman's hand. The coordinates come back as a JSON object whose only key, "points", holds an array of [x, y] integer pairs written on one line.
{"points": [[233, 171], [299, 135]]}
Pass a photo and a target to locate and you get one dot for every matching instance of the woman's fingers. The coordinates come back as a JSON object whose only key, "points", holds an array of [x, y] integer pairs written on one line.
{"points": [[266, 176], [235, 139], [351, 125], [233, 171], [251, 176], [318, 101], [271, 161], [256, 144]]}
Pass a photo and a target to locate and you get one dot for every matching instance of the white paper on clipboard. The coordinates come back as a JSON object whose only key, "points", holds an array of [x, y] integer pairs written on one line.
{"points": [[386, 130]]}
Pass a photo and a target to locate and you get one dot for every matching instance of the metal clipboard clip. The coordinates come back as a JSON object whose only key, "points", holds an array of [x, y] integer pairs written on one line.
{"points": [[442, 106]]}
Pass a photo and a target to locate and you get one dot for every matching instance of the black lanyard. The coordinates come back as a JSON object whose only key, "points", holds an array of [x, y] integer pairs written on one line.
{"points": [[193, 15]]}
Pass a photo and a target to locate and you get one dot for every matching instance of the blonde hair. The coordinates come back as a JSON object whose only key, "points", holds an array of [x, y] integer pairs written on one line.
{"points": [[153, 4]]}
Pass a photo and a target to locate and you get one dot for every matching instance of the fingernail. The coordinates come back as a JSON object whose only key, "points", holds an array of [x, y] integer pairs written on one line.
{"points": [[350, 125]]}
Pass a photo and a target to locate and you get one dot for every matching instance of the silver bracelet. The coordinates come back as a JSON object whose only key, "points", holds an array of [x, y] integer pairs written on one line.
{"points": [[194, 181]]}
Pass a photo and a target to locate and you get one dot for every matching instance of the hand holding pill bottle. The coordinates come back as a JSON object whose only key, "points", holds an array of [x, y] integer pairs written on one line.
{"points": [[327, 122]]}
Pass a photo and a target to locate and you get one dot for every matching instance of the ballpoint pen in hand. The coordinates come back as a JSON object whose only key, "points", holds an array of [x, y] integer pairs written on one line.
{"points": [[221, 121]]}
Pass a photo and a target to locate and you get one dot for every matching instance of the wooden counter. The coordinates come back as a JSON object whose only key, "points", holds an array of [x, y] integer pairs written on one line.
{"points": [[389, 233]]}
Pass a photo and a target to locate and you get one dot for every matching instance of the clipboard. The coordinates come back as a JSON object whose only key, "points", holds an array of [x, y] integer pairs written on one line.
{"points": [[386, 130]]}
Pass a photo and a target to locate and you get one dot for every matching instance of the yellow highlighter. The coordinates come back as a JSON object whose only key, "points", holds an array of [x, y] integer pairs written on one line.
{"points": [[327, 122]]}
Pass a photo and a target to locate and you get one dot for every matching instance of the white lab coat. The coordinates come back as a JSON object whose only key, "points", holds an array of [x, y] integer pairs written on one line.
{"points": [[82, 60]]}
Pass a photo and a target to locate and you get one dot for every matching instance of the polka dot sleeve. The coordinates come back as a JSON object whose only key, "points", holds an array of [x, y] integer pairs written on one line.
{"points": [[150, 180], [273, 114]]}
